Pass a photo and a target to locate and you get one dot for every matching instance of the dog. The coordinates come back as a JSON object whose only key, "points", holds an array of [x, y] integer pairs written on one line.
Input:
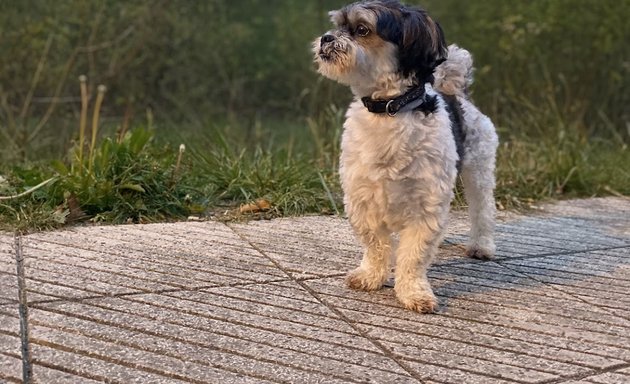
{"points": [[408, 134]]}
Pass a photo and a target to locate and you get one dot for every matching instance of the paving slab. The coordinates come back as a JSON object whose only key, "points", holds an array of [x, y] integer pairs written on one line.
{"points": [[10, 345], [266, 302]]}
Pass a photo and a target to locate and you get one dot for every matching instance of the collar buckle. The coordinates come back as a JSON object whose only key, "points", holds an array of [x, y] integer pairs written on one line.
{"points": [[388, 110]]}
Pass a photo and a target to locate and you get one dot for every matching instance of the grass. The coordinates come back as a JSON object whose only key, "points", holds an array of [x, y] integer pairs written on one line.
{"points": [[140, 178], [270, 169], [292, 182], [532, 171]]}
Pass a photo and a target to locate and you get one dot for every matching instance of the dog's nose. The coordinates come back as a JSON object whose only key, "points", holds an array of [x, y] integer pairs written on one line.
{"points": [[327, 39]]}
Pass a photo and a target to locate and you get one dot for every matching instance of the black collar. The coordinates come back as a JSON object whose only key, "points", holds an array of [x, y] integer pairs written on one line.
{"points": [[393, 106]]}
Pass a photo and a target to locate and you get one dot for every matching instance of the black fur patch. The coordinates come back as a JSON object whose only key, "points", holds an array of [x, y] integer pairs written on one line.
{"points": [[456, 114], [429, 105], [420, 40]]}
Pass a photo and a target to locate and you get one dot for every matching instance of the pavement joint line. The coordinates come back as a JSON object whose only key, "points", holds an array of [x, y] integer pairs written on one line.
{"points": [[64, 369], [230, 244], [493, 347], [320, 277], [556, 287], [135, 329], [568, 282], [51, 260], [342, 316], [481, 301], [7, 333], [470, 370], [550, 322], [610, 310], [586, 375], [260, 302], [25, 350], [154, 292], [131, 345], [513, 306], [479, 283], [4, 377], [107, 359], [489, 347], [261, 315], [498, 259], [217, 318], [549, 265], [124, 363], [57, 283], [168, 337], [544, 294], [567, 224], [550, 247], [518, 328], [566, 227], [155, 281], [113, 229], [119, 285], [524, 232], [463, 319], [151, 260]]}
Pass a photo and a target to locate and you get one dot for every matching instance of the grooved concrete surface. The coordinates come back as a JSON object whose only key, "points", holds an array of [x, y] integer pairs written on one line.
{"points": [[265, 302]]}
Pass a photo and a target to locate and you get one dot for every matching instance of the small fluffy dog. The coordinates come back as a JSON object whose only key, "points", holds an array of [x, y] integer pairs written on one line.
{"points": [[409, 132]]}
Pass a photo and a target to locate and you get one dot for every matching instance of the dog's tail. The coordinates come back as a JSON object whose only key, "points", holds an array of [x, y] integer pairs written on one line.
{"points": [[454, 76]]}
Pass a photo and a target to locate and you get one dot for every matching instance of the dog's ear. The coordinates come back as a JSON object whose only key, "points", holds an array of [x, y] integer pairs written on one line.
{"points": [[420, 40]]}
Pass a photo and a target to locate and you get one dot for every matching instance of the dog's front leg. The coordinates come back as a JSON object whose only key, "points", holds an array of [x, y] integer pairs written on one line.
{"points": [[373, 271], [417, 247]]}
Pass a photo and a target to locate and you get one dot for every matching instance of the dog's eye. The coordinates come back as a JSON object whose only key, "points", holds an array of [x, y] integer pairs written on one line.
{"points": [[362, 30]]}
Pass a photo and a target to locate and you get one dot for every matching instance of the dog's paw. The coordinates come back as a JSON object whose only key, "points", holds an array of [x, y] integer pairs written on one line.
{"points": [[421, 302], [363, 280], [479, 253], [416, 295]]}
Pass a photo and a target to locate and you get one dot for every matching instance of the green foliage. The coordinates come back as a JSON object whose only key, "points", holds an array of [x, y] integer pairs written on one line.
{"points": [[290, 181], [568, 55], [135, 179], [553, 76], [194, 60], [562, 168], [131, 180]]}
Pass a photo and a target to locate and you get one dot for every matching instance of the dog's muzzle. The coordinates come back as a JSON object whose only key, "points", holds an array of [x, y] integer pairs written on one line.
{"points": [[327, 47]]}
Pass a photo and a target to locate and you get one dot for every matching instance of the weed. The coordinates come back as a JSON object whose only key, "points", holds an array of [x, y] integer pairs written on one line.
{"points": [[126, 180], [293, 183]]}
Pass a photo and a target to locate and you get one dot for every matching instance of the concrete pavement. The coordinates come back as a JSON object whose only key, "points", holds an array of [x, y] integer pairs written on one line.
{"points": [[265, 302]]}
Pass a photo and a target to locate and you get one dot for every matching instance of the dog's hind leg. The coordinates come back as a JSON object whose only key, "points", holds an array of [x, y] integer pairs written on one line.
{"points": [[479, 182], [478, 165]]}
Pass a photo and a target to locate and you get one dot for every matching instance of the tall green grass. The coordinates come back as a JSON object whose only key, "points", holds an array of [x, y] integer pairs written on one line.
{"points": [[142, 177]]}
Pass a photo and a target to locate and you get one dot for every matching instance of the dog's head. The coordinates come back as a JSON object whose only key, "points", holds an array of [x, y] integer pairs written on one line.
{"points": [[380, 41]]}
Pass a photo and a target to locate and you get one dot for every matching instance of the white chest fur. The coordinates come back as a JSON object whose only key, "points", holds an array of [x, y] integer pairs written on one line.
{"points": [[397, 164]]}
